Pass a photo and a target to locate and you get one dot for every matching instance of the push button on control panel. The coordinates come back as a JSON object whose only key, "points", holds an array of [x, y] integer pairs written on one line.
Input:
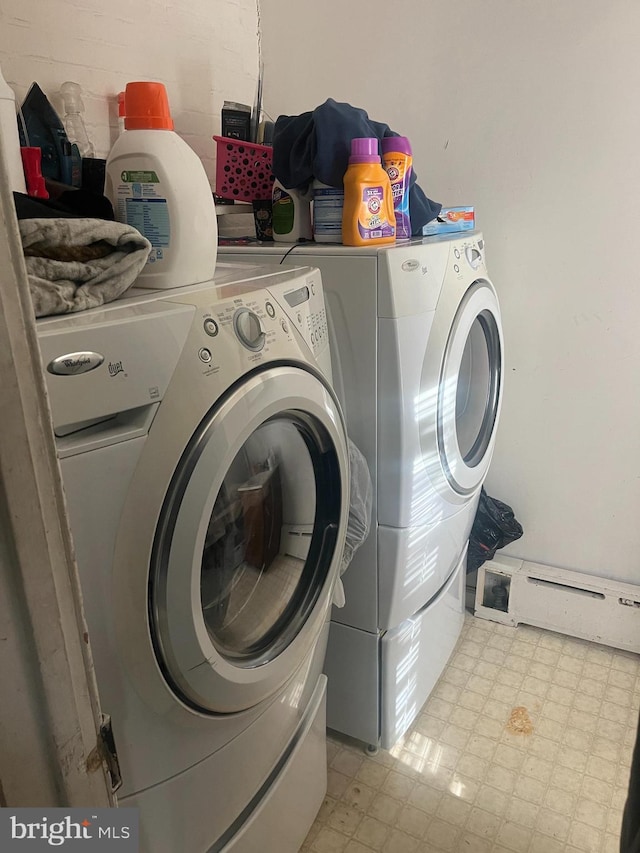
{"points": [[271, 311], [204, 355], [211, 327]]}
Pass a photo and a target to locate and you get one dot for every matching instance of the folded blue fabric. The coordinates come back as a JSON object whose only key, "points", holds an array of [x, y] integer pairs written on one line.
{"points": [[317, 145]]}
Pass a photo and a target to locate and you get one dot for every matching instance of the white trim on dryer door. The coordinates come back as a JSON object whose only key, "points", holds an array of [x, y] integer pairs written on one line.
{"points": [[465, 472]]}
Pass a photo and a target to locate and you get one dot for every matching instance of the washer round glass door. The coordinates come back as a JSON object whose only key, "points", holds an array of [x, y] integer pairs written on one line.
{"points": [[249, 541], [470, 389]]}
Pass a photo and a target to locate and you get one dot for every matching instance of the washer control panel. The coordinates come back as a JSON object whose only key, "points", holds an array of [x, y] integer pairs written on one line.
{"points": [[305, 308], [265, 322]]}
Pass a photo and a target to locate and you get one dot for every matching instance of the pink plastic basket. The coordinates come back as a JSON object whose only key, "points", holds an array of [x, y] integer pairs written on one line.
{"points": [[243, 169]]}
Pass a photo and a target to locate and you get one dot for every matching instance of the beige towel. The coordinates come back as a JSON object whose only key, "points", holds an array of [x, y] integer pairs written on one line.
{"points": [[75, 264]]}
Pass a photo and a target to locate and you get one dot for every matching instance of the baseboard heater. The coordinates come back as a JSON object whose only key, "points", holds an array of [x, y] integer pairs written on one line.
{"points": [[516, 591]]}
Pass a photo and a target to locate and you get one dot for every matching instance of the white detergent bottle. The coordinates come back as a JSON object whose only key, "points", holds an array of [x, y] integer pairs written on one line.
{"points": [[291, 214], [10, 140], [158, 185]]}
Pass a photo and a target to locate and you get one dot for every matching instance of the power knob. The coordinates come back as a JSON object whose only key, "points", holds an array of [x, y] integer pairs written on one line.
{"points": [[474, 257], [248, 329]]}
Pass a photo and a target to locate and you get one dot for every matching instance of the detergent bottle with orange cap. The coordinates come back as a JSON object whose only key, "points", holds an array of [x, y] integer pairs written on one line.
{"points": [[367, 216], [158, 185]]}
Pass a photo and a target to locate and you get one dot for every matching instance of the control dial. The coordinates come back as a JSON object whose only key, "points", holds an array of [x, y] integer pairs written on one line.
{"points": [[248, 329], [473, 256]]}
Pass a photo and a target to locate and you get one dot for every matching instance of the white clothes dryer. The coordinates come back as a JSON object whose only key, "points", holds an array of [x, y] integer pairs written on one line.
{"points": [[418, 367], [204, 459]]}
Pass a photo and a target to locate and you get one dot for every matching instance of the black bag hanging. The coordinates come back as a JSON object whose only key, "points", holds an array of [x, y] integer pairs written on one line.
{"points": [[494, 526]]}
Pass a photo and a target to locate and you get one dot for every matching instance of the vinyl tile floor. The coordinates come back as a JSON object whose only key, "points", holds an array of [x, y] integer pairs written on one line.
{"points": [[523, 747]]}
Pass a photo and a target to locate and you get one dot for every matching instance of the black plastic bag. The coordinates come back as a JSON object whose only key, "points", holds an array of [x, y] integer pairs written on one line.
{"points": [[494, 526]]}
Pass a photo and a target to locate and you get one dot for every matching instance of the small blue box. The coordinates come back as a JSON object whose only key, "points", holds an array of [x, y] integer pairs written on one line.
{"points": [[451, 219]]}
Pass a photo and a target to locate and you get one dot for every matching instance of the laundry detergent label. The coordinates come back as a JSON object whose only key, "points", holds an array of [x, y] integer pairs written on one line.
{"points": [[372, 222], [328, 203], [150, 216], [395, 170], [140, 177], [398, 167], [141, 203]]}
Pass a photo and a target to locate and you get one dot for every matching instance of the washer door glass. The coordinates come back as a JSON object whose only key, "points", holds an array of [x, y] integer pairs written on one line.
{"points": [[478, 385], [249, 541], [259, 575], [470, 389]]}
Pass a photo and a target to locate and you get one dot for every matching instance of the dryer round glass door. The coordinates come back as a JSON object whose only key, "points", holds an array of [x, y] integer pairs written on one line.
{"points": [[469, 391], [250, 541], [478, 387]]}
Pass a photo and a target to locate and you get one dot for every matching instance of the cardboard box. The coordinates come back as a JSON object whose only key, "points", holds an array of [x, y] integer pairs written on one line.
{"points": [[451, 219]]}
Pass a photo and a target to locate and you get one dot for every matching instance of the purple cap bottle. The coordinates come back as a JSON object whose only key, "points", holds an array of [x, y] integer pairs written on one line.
{"points": [[364, 150], [396, 143], [397, 160]]}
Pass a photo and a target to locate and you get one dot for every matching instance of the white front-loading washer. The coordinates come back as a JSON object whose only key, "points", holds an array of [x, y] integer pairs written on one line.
{"points": [[418, 367], [205, 465]]}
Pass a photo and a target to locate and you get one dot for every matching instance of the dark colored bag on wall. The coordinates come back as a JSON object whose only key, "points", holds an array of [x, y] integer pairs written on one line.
{"points": [[494, 526]]}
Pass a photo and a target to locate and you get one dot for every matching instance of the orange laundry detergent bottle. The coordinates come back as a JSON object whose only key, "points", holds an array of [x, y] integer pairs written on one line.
{"points": [[368, 217]]}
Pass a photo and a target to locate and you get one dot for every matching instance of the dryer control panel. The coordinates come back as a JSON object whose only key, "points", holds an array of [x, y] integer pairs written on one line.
{"points": [[412, 275]]}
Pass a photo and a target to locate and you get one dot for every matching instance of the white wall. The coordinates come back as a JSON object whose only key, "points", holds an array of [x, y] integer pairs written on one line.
{"points": [[527, 111], [204, 51], [530, 112]]}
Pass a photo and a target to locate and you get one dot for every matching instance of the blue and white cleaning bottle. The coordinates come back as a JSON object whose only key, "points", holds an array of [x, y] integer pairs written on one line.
{"points": [[328, 203]]}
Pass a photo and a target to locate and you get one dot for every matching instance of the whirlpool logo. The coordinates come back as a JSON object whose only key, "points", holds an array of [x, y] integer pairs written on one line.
{"points": [[27, 830], [73, 363]]}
